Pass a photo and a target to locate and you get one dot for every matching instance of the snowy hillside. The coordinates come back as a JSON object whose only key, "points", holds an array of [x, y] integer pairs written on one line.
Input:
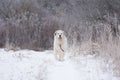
{"points": [[32, 65]]}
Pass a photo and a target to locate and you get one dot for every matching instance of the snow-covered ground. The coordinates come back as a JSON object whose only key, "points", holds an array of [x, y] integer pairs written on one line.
{"points": [[34, 65]]}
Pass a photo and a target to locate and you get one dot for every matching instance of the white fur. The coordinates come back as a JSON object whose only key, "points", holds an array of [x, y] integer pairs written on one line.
{"points": [[60, 44]]}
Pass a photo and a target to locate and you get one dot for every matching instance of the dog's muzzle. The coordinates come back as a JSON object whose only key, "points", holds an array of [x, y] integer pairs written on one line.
{"points": [[60, 37]]}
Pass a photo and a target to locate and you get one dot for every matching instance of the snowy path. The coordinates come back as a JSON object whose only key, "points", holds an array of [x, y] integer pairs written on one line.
{"points": [[84, 68], [32, 65], [63, 71]]}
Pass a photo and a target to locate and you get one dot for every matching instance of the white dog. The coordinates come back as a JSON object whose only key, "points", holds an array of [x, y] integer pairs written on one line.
{"points": [[60, 44]]}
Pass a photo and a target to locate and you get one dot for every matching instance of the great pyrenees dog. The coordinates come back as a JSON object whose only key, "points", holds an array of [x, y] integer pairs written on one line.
{"points": [[60, 44]]}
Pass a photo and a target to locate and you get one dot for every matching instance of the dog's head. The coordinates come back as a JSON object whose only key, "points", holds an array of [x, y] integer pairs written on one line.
{"points": [[59, 34]]}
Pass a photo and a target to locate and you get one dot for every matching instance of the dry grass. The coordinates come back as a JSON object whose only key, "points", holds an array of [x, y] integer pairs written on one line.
{"points": [[110, 51]]}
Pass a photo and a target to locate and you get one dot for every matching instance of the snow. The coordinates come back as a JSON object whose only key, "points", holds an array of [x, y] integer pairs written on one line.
{"points": [[64, 71], [34, 65]]}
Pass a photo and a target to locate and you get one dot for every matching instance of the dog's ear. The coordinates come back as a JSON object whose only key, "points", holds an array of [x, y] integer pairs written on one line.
{"points": [[55, 34], [64, 33]]}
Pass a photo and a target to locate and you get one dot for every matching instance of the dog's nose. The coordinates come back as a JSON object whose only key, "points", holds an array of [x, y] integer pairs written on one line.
{"points": [[60, 36]]}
